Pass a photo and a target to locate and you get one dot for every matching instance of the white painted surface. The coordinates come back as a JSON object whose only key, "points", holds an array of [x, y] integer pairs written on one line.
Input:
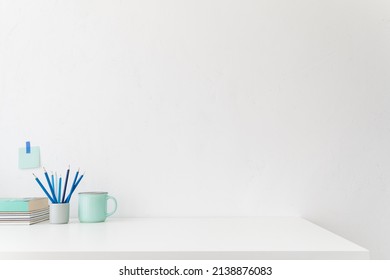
{"points": [[178, 238], [206, 108]]}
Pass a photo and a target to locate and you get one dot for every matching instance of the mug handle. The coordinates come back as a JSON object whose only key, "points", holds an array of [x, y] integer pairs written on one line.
{"points": [[113, 198]]}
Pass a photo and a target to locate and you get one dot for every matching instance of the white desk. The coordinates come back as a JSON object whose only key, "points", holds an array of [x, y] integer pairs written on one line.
{"points": [[178, 238]]}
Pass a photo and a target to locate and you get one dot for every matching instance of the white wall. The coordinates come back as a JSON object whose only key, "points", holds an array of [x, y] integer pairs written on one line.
{"points": [[206, 108]]}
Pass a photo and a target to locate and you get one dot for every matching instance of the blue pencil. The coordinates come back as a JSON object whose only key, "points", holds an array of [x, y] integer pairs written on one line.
{"points": [[66, 183], [59, 190], [74, 188], [74, 183], [52, 183], [43, 188], [78, 181], [56, 185], [75, 178], [50, 186]]}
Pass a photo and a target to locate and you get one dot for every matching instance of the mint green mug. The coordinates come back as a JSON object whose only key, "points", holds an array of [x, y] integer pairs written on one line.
{"points": [[93, 207]]}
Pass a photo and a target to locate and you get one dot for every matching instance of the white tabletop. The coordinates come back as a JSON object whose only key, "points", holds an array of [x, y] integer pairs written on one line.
{"points": [[178, 238]]}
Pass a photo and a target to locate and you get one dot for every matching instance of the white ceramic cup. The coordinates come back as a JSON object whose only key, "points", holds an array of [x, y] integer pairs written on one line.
{"points": [[59, 213]]}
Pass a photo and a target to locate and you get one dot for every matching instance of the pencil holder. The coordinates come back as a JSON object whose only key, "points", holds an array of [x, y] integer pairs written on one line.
{"points": [[59, 213]]}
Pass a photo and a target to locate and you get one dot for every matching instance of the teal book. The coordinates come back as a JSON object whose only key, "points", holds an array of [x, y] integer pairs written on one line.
{"points": [[27, 204]]}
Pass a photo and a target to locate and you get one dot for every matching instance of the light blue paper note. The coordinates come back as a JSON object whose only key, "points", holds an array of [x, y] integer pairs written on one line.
{"points": [[29, 160]]}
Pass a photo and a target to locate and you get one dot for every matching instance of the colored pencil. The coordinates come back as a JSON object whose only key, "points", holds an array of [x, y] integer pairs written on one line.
{"points": [[59, 190], [75, 178], [52, 183], [56, 186], [71, 190], [66, 183], [50, 186], [43, 188], [74, 188]]}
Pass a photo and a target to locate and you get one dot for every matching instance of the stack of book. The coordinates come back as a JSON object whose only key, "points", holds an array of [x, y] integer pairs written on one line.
{"points": [[23, 211]]}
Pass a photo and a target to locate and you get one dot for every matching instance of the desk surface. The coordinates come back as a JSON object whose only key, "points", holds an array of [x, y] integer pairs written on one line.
{"points": [[178, 238]]}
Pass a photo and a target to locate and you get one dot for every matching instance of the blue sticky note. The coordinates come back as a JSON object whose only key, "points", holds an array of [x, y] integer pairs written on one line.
{"points": [[31, 159]]}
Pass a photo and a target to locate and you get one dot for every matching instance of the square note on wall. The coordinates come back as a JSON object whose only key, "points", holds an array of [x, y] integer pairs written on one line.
{"points": [[29, 159]]}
